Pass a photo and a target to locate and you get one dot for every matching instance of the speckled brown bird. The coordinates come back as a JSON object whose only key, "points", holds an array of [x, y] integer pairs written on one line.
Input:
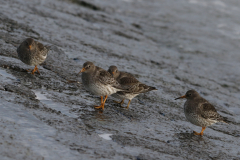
{"points": [[200, 112], [32, 53], [99, 82], [130, 83]]}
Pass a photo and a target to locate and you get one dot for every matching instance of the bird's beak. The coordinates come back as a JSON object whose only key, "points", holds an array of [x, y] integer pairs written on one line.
{"points": [[30, 46], [83, 70], [180, 97], [113, 73]]}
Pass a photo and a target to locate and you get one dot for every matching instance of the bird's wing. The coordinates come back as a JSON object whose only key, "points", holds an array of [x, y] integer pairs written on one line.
{"points": [[107, 79], [208, 111], [134, 86], [125, 74], [128, 81], [42, 49]]}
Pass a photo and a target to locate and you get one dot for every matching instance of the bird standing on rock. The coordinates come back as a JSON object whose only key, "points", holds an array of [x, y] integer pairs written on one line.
{"points": [[199, 111], [130, 83], [99, 82], [32, 53]]}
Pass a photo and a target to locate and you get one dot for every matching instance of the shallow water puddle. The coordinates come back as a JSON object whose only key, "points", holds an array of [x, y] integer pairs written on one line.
{"points": [[40, 95], [6, 77], [105, 136]]}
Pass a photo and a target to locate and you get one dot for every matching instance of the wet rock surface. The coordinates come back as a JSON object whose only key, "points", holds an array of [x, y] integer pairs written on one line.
{"points": [[172, 45]]}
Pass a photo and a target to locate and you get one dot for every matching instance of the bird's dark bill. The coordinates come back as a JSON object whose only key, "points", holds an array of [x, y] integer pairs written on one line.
{"points": [[112, 73], [181, 97]]}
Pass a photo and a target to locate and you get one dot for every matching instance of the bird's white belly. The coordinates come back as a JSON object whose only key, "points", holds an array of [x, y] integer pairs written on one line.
{"points": [[101, 90], [199, 121]]}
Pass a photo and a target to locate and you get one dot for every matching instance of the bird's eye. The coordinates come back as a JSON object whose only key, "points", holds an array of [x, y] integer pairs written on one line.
{"points": [[190, 94], [116, 71]]}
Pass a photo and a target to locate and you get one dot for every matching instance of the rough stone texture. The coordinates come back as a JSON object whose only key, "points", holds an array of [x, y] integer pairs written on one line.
{"points": [[174, 45]]}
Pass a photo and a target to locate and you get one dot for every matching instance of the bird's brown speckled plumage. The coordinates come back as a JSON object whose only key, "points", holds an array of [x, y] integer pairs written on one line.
{"points": [[99, 82], [32, 53], [130, 83], [199, 111]]}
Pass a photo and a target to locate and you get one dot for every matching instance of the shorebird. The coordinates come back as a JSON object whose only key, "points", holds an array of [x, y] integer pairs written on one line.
{"points": [[129, 82], [99, 82], [200, 112], [32, 53]]}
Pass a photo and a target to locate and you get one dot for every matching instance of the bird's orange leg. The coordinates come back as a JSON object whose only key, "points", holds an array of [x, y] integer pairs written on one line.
{"points": [[34, 70], [102, 103], [38, 71], [128, 104], [121, 102], [201, 133]]}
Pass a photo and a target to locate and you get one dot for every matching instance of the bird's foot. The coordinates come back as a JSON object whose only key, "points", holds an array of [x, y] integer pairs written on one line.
{"points": [[29, 70], [196, 133], [34, 70], [125, 107], [100, 107], [38, 71], [121, 102]]}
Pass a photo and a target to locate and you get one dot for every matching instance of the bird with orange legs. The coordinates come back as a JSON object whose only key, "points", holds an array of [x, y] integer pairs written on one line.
{"points": [[200, 112], [32, 53], [130, 83], [99, 82]]}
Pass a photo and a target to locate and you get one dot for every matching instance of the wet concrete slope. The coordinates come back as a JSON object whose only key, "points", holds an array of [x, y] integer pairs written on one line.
{"points": [[174, 45]]}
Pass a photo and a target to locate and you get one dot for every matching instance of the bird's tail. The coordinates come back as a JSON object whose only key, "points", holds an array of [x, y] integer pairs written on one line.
{"points": [[225, 120], [147, 88], [152, 88], [48, 47]]}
